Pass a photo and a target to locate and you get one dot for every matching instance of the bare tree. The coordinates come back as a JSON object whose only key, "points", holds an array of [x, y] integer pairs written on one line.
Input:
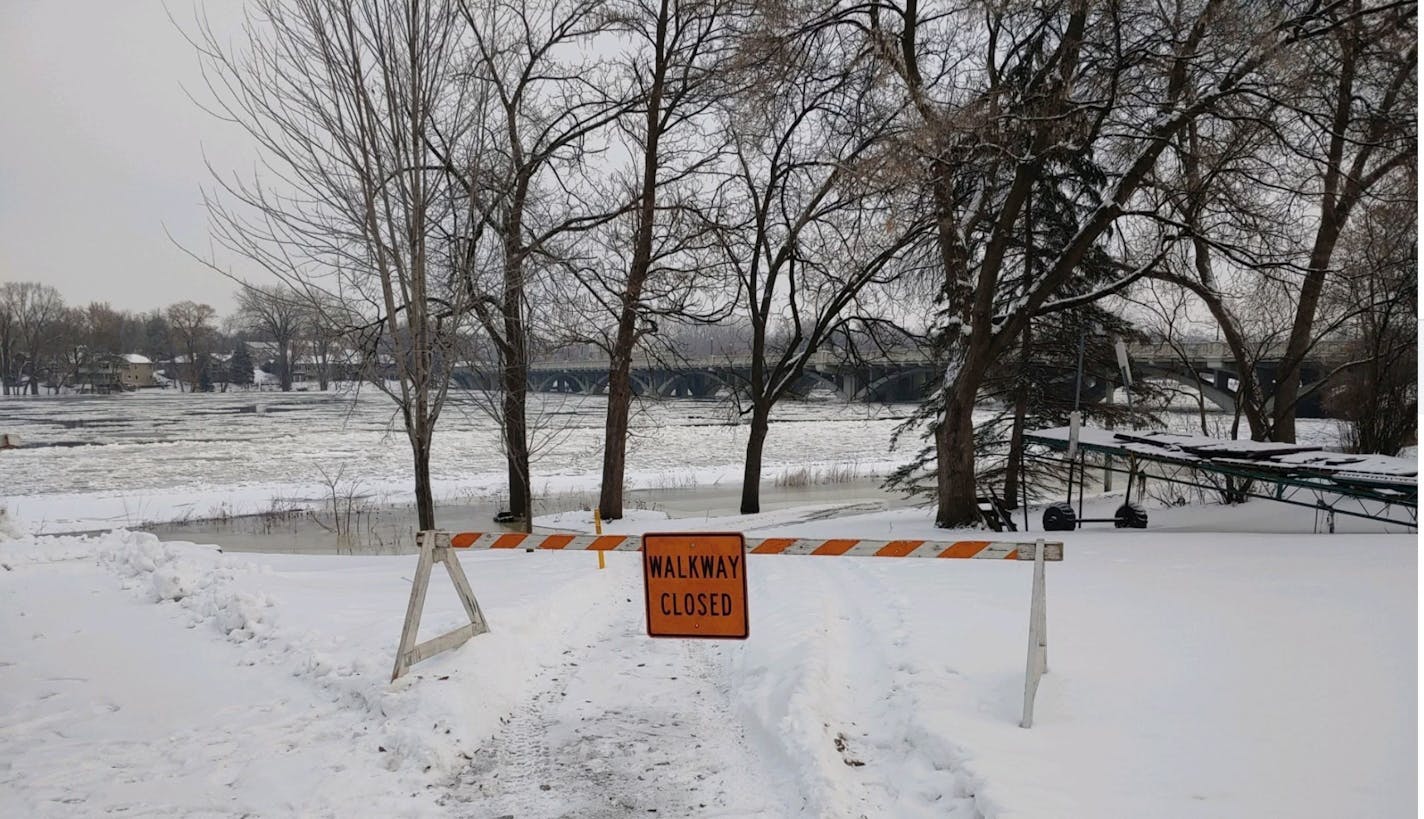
{"points": [[542, 98], [275, 314], [1000, 93], [322, 321], [1379, 285], [1224, 197], [8, 334], [35, 312], [1356, 124], [75, 355], [1265, 186], [112, 332], [343, 101], [672, 72], [810, 219], [193, 332]]}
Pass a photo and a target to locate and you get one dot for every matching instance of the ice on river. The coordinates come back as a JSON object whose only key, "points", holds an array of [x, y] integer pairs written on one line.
{"points": [[156, 456], [91, 462]]}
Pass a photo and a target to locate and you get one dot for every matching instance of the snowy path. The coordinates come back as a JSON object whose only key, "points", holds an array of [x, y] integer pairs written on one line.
{"points": [[830, 686], [817, 715], [622, 725]]}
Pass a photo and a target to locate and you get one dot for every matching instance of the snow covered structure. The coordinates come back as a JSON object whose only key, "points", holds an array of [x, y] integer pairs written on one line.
{"points": [[127, 371], [1365, 486]]}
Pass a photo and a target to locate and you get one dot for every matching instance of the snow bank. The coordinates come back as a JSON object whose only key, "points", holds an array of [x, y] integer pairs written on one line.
{"points": [[9, 526], [197, 578], [336, 629]]}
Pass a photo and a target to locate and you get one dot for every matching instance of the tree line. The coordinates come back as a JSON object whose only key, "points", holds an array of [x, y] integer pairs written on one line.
{"points": [[488, 181], [47, 344]]}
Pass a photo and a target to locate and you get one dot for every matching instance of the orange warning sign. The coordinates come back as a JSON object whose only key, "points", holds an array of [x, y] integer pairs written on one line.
{"points": [[695, 585]]}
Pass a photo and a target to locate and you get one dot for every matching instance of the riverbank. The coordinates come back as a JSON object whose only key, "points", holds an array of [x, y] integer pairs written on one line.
{"points": [[1203, 667]]}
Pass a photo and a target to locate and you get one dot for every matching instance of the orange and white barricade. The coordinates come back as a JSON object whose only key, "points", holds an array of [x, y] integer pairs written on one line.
{"points": [[438, 546]]}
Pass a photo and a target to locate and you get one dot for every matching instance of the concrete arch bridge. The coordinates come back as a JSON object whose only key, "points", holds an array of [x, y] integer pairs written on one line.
{"points": [[1214, 369], [891, 379], [905, 377]]}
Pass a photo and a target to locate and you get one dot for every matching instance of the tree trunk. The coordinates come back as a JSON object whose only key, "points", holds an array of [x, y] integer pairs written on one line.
{"points": [[1012, 475], [1299, 342], [954, 447], [284, 367], [516, 435], [323, 369], [515, 358], [620, 393], [955, 490], [615, 438], [1334, 210], [424, 497], [751, 472]]}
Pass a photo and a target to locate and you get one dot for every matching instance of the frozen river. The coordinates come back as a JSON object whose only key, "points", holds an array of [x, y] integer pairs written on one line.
{"points": [[97, 461], [154, 443]]}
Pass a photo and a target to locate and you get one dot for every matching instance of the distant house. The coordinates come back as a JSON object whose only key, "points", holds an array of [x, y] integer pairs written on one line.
{"points": [[135, 371], [179, 369], [129, 371], [264, 353]]}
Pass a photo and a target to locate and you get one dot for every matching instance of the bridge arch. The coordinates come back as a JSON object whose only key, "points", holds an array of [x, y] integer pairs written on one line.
{"points": [[702, 383], [827, 380], [1222, 398], [598, 385], [882, 384], [560, 383]]}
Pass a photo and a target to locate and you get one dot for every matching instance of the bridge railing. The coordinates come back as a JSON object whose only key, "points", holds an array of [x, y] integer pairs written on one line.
{"points": [[1213, 353]]}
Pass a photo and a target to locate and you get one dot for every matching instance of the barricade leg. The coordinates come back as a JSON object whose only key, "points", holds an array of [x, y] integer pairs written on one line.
{"points": [[1037, 663], [462, 588], [435, 547], [418, 586]]}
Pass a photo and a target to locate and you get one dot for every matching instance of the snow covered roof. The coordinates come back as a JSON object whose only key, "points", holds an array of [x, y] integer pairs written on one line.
{"points": [[135, 358]]}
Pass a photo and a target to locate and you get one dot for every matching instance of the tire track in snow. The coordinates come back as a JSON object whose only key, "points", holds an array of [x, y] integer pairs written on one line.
{"points": [[620, 725], [919, 769], [827, 696]]}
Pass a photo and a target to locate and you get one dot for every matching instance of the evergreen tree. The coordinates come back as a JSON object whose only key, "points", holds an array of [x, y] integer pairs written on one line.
{"points": [[239, 367], [1035, 387], [205, 373]]}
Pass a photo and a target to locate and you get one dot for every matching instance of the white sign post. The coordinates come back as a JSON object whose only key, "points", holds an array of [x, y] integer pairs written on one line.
{"points": [[1123, 365]]}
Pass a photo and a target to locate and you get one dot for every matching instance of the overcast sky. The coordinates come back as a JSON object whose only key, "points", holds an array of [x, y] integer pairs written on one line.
{"points": [[100, 150]]}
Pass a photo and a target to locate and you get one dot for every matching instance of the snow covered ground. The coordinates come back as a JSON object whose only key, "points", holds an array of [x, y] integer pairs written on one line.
{"points": [[1224, 663]]}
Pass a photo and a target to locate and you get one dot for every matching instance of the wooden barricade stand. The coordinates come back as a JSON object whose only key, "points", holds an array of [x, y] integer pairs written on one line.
{"points": [[1037, 634], [439, 545], [435, 548]]}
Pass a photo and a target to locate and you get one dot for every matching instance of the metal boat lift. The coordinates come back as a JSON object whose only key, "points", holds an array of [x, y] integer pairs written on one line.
{"points": [[1332, 483]]}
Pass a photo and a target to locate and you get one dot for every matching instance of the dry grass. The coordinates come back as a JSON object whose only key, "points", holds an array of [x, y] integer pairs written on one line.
{"points": [[803, 476]]}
